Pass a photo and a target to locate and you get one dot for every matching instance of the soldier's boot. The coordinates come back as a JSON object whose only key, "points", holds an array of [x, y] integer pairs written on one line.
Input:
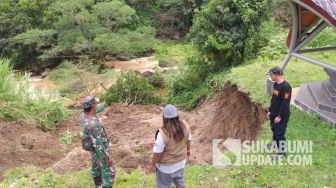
{"points": [[98, 181]]}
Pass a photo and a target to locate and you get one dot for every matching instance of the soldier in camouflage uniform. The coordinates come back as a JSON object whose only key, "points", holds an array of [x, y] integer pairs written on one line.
{"points": [[102, 165]]}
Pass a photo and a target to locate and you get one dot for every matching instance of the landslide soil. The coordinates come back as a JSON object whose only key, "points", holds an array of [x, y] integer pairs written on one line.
{"points": [[229, 114]]}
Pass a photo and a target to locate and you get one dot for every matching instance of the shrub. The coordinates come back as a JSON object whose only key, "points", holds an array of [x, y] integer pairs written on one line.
{"points": [[131, 89], [275, 43], [20, 103], [157, 80], [326, 38], [227, 32], [198, 68], [125, 42], [72, 78]]}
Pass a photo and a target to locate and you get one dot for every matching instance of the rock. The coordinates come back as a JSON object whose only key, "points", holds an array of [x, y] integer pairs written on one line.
{"points": [[41, 66], [27, 141], [147, 74], [110, 58], [123, 58], [35, 68], [46, 73], [46, 64], [163, 64], [176, 36]]}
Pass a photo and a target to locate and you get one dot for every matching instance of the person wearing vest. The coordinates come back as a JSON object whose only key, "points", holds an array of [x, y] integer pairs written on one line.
{"points": [[102, 169], [171, 149]]}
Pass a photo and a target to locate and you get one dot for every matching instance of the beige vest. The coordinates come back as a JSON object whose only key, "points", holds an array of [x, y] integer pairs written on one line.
{"points": [[174, 152]]}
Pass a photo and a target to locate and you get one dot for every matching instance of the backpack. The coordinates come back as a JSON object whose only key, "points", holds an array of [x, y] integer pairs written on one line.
{"points": [[87, 144], [156, 134]]}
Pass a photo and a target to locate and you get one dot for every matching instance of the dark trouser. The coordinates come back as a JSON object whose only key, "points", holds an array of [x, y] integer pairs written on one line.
{"points": [[279, 131]]}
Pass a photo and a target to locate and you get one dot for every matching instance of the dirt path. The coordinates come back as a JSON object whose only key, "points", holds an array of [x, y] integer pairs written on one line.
{"points": [[131, 132]]}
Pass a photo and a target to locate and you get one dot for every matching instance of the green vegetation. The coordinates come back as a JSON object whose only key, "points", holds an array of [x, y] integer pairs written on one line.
{"points": [[19, 102], [131, 89], [171, 18], [301, 127], [252, 78], [157, 79], [326, 38], [228, 41], [70, 78], [52, 31], [225, 34], [188, 87], [172, 53], [68, 137], [82, 78]]}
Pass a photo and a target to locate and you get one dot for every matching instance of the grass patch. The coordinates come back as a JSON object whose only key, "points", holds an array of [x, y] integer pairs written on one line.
{"points": [[251, 78], [172, 53], [301, 127], [20, 103], [70, 78], [68, 137], [131, 89], [75, 79]]}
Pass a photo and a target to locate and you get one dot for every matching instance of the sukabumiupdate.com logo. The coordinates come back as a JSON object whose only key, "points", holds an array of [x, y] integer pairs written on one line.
{"points": [[235, 152]]}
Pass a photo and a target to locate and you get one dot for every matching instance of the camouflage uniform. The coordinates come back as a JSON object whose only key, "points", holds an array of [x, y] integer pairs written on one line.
{"points": [[101, 156]]}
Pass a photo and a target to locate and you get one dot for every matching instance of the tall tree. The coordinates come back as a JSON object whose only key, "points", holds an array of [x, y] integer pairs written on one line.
{"points": [[226, 32]]}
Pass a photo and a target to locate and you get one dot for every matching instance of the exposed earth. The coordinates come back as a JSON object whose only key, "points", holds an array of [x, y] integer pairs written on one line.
{"points": [[131, 132], [130, 129]]}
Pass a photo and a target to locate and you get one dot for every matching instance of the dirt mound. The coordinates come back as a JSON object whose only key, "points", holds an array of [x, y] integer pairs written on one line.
{"points": [[74, 161], [23, 144], [131, 128], [230, 114]]}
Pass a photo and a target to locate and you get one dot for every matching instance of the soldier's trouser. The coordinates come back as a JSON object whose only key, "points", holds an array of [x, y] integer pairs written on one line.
{"points": [[97, 181], [100, 168]]}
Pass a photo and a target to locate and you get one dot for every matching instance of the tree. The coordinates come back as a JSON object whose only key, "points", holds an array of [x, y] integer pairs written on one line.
{"points": [[70, 29], [226, 32], [17, 17], [114, 14]]}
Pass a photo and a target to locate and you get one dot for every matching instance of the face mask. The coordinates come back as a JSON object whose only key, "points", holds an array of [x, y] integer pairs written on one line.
{"points": [[99, 108]]}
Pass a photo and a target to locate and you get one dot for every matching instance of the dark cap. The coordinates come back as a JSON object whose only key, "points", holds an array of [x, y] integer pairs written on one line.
{"points": [[276, 71], [89, 101]]}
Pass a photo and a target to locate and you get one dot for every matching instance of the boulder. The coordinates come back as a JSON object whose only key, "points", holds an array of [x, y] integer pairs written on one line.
{"points": [[123, 58], [110, 58], [147, 74]]}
